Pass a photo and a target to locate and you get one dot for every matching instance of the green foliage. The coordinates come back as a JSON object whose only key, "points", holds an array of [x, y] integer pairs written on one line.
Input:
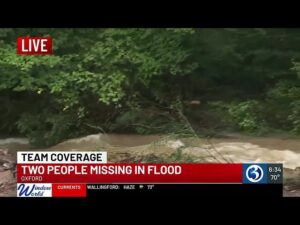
{"points": [[137, 80], [294, 117], [89, 66], [248, 115], [45, 129], [148, 121]]}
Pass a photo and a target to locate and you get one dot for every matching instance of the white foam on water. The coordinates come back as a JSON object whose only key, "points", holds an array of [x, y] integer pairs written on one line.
{"points": [[89, 138], [240, 152], [175, 144], [6, 141]]}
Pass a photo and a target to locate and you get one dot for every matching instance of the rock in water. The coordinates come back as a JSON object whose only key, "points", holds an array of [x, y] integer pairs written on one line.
{"points": [[6, 177], [175, 144]]}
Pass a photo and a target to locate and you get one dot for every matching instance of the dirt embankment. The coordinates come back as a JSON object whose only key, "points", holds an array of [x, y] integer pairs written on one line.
{"points": [[7, 174]]}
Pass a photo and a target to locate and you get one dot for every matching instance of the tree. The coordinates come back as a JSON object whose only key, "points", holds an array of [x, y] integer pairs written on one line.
{"points": [[90, 66]]}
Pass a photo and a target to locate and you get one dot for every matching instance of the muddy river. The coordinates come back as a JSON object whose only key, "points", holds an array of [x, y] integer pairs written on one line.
{"points": [[155, 148]]}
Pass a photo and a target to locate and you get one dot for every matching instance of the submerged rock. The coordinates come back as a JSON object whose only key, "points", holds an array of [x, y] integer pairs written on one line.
{"points": [[175, 144]]}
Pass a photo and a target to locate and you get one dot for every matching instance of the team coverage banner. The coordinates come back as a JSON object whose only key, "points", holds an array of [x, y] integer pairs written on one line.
{"points": [[92, 167]]}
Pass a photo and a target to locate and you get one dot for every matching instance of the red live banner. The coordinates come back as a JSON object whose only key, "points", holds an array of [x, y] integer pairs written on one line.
{"points": [[129, 173], [34, 45]]}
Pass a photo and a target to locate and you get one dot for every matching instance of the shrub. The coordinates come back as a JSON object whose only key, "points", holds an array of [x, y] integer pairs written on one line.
{"points": [[249, 116], [46, 128]]}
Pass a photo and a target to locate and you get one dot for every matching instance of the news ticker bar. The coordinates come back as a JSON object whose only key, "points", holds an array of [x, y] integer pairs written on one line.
{"points": [[166, 173], [115, 190], [189, 190]]}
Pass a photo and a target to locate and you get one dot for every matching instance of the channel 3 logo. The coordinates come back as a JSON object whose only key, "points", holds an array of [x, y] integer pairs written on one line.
{"points": [[254, 173]]}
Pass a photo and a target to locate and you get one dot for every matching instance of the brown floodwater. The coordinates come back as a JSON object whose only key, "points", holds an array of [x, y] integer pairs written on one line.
{"points": [[266, 142], [131, 140]]}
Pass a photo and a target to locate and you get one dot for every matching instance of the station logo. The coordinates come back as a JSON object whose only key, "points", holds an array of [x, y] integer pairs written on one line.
{"points": [[255, 173]]}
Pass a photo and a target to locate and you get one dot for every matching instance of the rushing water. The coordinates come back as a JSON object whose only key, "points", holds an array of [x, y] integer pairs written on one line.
{"points": [[243, 149]]}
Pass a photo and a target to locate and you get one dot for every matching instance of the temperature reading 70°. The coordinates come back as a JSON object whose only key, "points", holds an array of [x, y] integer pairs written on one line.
{"points": [[275, 173], [275, 176]]}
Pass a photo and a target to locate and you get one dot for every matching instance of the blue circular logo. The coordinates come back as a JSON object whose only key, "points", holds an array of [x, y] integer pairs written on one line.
{"points": [[254, 173]]}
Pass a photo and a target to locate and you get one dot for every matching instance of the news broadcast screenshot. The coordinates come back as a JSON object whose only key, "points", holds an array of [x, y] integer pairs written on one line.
{"points": [[91, 112]]}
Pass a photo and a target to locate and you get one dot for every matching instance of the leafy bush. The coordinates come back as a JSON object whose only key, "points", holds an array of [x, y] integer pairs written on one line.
{"points": [[47, 129], [249, 116], [283, 106], [294, 117], [148, 121]]}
